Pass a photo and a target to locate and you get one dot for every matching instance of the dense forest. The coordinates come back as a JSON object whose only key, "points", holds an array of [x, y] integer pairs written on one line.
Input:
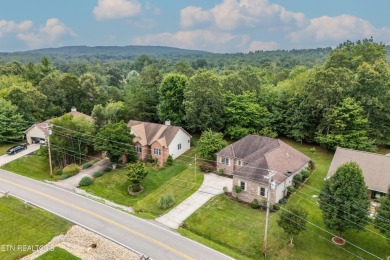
{"points": [[336, 97]]}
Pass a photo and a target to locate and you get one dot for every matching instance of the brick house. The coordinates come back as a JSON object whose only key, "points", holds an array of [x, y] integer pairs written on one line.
{"points": [[252, 158], [159, 140]]}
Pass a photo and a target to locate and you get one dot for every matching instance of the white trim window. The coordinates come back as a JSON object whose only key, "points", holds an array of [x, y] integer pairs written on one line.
{"points": [[179, 146], [239, 162], [138, 149], [157, 151], [225, 161], [243, 185], [262, 191]]}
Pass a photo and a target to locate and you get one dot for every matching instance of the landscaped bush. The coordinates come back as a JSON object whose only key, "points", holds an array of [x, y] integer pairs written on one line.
{"points": [[221, 172], [255, 204], [312, 165], [87, 165], [58, 172], [305, 174], [237, 188], [169, 160], [150, 159], [297, 179], [86, 181], [206, 167], [98, 174], [275, 207], [290, 190], [166, 201], [283, 201], [64, 176], [71, 169]]}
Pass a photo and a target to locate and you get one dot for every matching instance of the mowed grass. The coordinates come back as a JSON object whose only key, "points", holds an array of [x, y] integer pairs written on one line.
{"points": [[32, 166], [20, 226], [57, 253], [238, 230], [179, 180]]}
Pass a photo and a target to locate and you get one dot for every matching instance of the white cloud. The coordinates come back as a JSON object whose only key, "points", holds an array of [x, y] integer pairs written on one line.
{"points": [[196, 40], [264, 46], [48, 35], [12, 27], [235, 14], [328, 30], [115, 9]]}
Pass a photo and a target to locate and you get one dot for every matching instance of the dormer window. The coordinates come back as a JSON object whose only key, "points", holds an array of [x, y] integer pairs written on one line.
{"points": [[239, 162]]}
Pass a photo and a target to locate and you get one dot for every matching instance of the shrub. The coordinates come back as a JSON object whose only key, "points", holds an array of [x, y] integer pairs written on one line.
{"points": [[290, 190], [221, 171], [276, 207], [86, 181], [71, 169], [283, 201], [107, 169], [87, 165], [255, 204], [297, 179], [305, 174], [98, 174], [169, 160], [225, 190], [312, 166], [237, 188], [58, 172], [150, 159], [206, 167], [64, 176], [166, 201]]}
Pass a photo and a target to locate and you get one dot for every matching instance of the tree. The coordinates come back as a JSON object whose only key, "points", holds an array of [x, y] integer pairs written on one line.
{"points": [[343, 200], [116, 140], [209, 143], [382, 218], [346, 127], [171, 97], [136, 172], [203, 102], [293, 221], [11, 122]]}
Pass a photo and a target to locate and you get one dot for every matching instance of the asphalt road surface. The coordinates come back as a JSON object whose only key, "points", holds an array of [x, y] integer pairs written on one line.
{"points": [[132, 232]]}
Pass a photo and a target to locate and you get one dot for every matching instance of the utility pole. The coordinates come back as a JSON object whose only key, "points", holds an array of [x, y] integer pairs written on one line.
{"points": [[271, 185], [195, 168], [48, 147]]}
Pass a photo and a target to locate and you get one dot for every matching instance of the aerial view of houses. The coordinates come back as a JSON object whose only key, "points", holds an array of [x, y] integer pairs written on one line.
{"points": [[228, 129]]}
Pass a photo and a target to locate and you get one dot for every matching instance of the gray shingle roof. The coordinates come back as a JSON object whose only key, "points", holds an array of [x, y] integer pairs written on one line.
{"points": [[262, 154], [375, 167]]}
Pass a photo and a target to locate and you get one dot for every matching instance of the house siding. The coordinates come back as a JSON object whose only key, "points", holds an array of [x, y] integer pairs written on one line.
{"points": [[252, 188], [34, 132], [182, 138], [164, 153]]}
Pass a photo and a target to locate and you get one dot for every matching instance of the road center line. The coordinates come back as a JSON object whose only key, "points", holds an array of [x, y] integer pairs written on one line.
{"points": [[150, 239]]}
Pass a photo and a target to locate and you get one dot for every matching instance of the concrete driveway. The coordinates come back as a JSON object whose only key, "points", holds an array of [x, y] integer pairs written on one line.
{"points": [[212, 186], [4, 159]]}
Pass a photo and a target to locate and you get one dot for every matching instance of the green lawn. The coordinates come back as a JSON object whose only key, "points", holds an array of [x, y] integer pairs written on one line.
{"points": [[238, 230], [33, 166], [178, 180], [20, 226], [57, 253]]}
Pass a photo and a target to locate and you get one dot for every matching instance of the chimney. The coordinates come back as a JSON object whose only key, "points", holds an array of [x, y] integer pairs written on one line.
{"points": [[167, 122], [73, 109]]}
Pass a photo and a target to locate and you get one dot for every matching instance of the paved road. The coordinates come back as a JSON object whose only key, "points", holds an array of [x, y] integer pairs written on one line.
{"points": [[130, 231], [212, 185], [4, 159]]}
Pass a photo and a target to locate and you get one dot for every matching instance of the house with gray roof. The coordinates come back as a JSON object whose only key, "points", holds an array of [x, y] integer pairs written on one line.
{"points": [[375, 167], [159, 140], [252, 158]]}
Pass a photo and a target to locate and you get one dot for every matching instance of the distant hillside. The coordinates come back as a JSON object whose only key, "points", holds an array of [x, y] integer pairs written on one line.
{"points": [[101, 53]]}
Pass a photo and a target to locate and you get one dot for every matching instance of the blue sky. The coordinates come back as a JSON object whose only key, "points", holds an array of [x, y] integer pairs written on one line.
{"points": [[211, 25]]}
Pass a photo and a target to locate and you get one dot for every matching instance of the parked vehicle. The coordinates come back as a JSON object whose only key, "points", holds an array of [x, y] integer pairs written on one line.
{"points": [[16, 149]]}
